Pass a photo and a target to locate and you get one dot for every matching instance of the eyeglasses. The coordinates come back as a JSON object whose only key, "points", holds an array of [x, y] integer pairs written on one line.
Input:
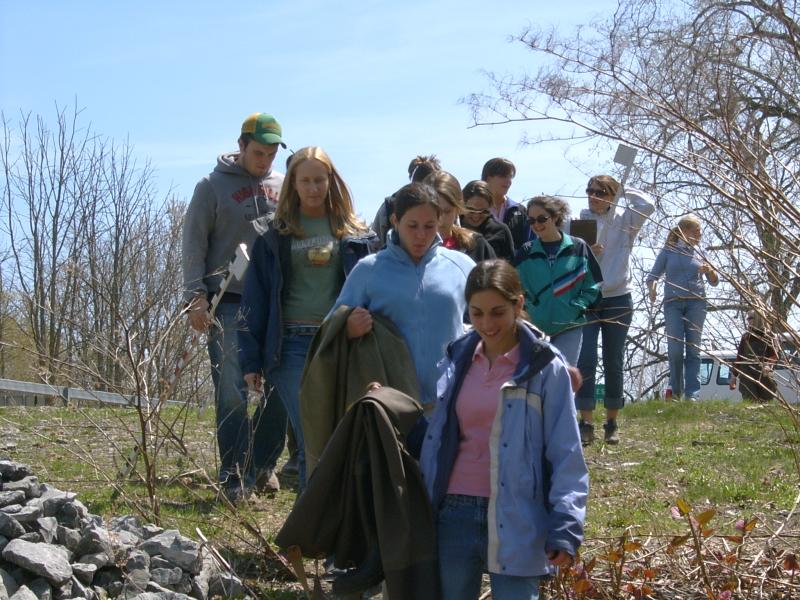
{"points": [[478, 211], [597, 193], [541, 219]]}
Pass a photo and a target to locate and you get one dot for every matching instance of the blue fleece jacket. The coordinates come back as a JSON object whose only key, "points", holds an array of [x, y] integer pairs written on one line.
{"points": [[425, 301], [261, 329], [539, 480]]}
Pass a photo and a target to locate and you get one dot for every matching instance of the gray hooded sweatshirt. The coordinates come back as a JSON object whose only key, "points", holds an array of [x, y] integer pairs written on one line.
{"points": [[229, 207], [617, 230]]}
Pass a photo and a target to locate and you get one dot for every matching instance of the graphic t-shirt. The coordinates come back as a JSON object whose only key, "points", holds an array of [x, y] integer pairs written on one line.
{"points": [[317, 274]]}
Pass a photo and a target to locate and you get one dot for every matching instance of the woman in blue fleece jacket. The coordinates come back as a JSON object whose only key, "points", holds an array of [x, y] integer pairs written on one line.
{"points": [[414, 282], [296, 271], [502, 458]]}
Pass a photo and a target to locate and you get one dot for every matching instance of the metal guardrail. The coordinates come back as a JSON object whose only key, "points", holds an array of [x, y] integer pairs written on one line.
{"points": [[10, 388]]}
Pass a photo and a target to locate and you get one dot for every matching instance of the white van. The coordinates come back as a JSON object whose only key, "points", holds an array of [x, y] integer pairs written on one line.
{"points": [[715, 375]]}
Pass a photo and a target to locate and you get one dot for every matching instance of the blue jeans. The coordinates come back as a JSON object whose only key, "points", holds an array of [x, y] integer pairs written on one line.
{"points": [[246, 446], [286, 379], [683, 321], [463, 545], [569, 342], [612, 318]]}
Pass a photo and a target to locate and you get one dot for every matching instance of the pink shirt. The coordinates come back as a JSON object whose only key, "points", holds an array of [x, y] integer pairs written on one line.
{"points": [[476, 407]]}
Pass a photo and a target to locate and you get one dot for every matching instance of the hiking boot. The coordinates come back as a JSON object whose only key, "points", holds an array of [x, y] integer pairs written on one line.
{"points": [[587, 432], [611, 436], [267, 482]]}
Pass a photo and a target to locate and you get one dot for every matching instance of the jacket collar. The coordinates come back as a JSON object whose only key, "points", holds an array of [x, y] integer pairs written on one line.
{"points": [[566, 242], [534, 353], [394, 247]]}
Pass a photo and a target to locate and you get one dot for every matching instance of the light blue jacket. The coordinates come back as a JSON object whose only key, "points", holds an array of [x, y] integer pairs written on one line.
{"points": [[425, 301], [539, 480]]}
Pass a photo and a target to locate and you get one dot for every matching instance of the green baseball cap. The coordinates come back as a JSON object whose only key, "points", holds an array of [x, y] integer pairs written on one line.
{"points": [[264, 129]]}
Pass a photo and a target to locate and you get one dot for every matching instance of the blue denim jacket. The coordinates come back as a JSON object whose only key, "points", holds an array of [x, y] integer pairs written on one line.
{"points": [[539, 480], [261, 329]]}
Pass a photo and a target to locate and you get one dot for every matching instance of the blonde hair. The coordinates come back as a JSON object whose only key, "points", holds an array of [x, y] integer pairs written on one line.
{"points": [[676, 233], [449, 189], [338, 203]]}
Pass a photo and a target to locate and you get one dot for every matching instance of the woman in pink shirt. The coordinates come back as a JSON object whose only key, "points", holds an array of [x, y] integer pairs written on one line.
{"points": [[502, 458]]}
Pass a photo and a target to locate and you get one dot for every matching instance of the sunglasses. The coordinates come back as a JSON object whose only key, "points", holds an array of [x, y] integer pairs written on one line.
{"points": [[541, 219], [478, 211], [597, 193]]}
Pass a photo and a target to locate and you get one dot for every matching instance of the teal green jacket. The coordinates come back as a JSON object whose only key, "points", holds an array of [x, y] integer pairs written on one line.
{"points": [[556, 297]]}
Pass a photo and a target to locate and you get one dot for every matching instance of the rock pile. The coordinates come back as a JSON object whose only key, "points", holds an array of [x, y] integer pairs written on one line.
{"points": [[52, 548]]}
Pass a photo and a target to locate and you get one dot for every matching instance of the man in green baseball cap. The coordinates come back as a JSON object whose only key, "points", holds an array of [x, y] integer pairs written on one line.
{"points": [[230, 207], [263, 128]]}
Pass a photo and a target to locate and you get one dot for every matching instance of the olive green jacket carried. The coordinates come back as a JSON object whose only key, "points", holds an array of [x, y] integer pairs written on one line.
{"points": [[338, 371], [368, 491]]}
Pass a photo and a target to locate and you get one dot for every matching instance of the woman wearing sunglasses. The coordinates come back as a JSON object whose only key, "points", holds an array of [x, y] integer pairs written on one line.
{"points": [[618, 224], [559, 274], [478, 217]]}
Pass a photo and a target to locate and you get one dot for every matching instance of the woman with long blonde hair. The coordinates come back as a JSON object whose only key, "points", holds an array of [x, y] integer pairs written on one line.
{"points": [[296, 271], [683, 267]]}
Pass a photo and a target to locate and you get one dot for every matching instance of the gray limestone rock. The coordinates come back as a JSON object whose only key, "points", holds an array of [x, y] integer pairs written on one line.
{"points": [[79, 590], [52, 500], [100, 593], [64, 591], [84, 572], [167, 577], [137, 559], [46, 560], [11, 509], [24, 593], [13, 497], [122, 543], [159, 562], [226, 585], [137, 570], [48, 528], [28, 514], [7, 584], [94, 540], [41, 588], [69, 538], [150, 530], [72, 514], [98, 559], [130, 524], [9, 527], [12, 471], [3, 542], [32, 536], [179, 550], [164, 593], [30, 485], [202, 581], [111, 579]]}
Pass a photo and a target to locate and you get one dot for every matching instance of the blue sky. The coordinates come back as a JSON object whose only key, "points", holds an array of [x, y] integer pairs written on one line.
{"points": [[372, 82]]}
